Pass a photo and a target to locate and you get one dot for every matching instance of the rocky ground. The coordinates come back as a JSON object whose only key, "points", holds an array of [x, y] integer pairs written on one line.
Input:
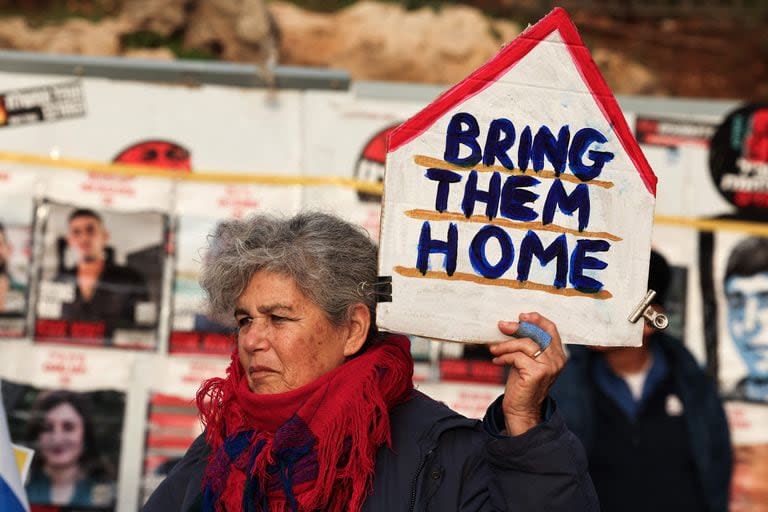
{"points": [[384, 41]]}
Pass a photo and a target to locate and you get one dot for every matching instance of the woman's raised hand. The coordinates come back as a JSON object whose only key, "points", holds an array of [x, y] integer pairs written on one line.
{"points": [[532, 372]]}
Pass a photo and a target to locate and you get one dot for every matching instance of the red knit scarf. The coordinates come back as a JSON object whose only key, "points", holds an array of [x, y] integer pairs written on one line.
{"points": [[312, 448]]}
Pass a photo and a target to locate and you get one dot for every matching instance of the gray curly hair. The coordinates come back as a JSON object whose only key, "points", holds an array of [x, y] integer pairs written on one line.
{"points": [[328, 259]]}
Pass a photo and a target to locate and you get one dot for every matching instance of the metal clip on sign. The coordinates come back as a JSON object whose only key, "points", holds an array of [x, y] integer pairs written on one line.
{"points": [[381, 289], [645, 310]]}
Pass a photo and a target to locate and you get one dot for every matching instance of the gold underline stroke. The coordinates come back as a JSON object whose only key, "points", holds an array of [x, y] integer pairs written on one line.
{"points": [[199, 176], [507, 283], [428, 161], [482, 219], [738, 226], [229, 177]]}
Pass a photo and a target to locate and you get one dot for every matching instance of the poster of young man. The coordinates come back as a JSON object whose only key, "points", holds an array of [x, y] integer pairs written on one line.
{"points": [[739, 280], [100, 276], [734, 262], [16, 195], [199, 209]]}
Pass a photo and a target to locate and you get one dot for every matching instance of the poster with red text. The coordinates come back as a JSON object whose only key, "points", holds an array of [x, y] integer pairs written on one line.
{"points": [[749, 485], [68, 405], [17, 192], [199, 209], [99, 275], [363, 124], [173, 421], [471, 400]]}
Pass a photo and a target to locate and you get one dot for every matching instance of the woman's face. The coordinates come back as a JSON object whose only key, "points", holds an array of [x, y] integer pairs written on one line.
{"points": [[62, 439], [284, 340]]}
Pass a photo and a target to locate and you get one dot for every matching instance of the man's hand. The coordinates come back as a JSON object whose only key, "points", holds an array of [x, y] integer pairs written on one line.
{"points": [[530, 377]]}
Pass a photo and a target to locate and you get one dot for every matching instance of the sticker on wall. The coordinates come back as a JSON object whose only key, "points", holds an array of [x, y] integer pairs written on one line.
{"points": [[370, 164], [671, 132], [43, 103], [157, 153], [519, 189], [738, 159]]}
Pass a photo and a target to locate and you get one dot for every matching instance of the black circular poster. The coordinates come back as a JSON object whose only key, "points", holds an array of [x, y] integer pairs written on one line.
{"points": [[738, 159]]}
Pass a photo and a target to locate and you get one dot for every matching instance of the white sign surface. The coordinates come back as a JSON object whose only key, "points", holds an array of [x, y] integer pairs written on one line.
{"points": [[520, 189]]}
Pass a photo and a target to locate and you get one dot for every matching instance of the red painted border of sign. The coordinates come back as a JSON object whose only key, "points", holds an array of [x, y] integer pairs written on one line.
{"points": [[486, 75]]}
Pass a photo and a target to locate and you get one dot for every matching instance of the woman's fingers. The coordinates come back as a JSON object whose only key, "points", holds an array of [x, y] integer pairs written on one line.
{"points": [[533, 370], [556, 345], [508, 328], [524, 345], [522, 361]]}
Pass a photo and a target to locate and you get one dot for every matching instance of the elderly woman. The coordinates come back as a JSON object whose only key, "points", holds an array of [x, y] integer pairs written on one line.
{"points": [[318, 410]]}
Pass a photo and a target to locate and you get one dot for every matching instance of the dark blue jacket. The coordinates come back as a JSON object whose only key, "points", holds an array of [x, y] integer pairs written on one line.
{"points": [[442, 461], [705, 419]]}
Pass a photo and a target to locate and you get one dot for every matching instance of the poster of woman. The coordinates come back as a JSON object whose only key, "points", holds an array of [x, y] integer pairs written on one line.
{"points": [[76, 438]]}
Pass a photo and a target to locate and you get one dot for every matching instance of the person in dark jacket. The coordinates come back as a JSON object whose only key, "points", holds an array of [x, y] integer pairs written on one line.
{"points": [[318, 410], [103, 292], [651, 421]]}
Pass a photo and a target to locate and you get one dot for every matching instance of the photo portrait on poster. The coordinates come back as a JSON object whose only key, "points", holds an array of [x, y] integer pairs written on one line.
{"points": [[192, 330], [100, 276], [735, 291], [734, 265], [76, 437], [173, 420], [173, 424], [16, 199], [749, 490], [199, 209]]}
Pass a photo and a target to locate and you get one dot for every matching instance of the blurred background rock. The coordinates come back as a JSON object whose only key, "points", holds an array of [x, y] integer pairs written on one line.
{"points": [[692, 48]]}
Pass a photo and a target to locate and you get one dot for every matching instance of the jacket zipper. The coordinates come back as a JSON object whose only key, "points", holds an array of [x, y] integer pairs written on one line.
{"points": [[419, 468]]}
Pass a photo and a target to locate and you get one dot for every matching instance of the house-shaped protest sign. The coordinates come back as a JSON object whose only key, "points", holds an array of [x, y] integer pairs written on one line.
{"points": [[519, 189]]}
